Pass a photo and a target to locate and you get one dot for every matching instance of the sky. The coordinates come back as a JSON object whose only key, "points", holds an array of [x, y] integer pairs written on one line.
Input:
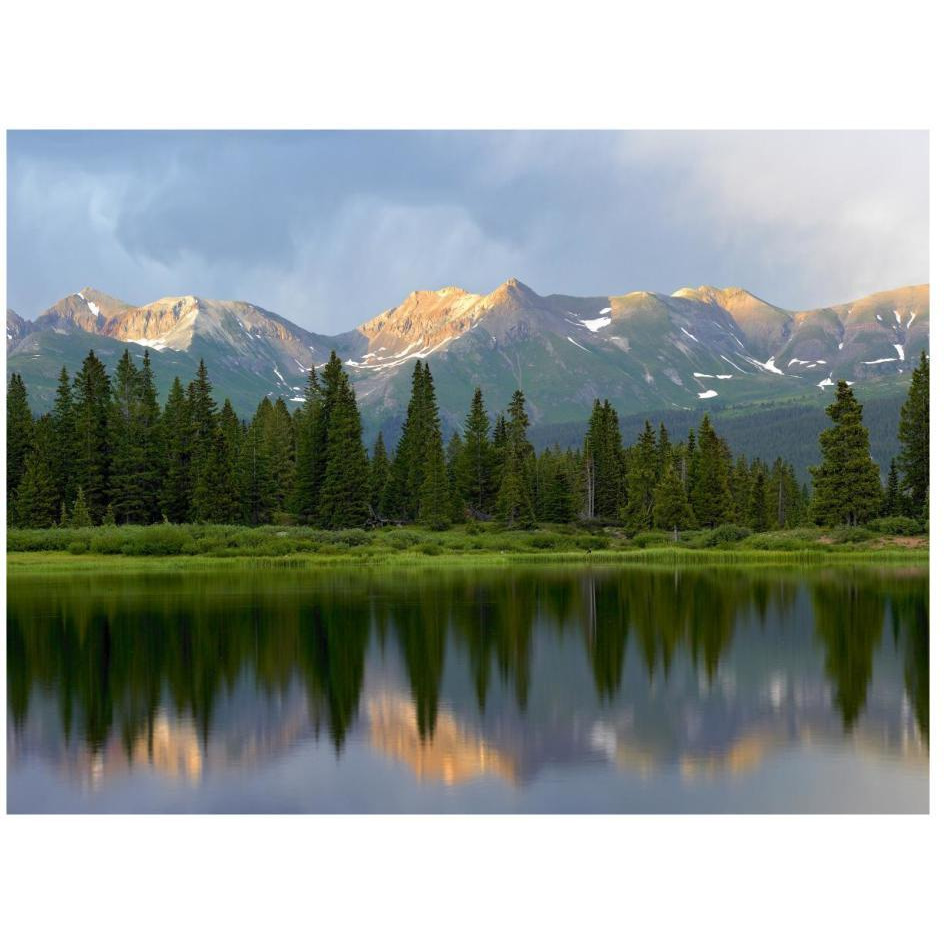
{"points": [[330, 228]]}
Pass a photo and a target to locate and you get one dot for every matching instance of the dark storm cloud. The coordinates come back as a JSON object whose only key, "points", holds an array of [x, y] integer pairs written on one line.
{"points": [[328, 228]]}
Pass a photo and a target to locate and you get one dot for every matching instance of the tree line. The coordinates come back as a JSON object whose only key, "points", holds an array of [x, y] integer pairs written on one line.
{"points": [[108, 453]]}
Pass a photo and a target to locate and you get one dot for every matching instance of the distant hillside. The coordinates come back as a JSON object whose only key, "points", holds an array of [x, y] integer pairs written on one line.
{"points": [[790, 431]]}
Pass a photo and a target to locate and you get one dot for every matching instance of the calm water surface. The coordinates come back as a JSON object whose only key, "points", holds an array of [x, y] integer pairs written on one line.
{"points": [[532, 690]]}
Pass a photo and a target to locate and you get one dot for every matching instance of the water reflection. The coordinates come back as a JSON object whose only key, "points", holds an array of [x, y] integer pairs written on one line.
{"points": [[460, 676]]}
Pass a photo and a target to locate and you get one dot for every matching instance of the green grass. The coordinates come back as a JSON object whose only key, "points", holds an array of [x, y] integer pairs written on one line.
{"points": [[184, 547]]}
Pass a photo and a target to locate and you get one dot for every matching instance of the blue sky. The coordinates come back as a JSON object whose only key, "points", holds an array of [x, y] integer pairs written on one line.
{"points": [[330, 228]]}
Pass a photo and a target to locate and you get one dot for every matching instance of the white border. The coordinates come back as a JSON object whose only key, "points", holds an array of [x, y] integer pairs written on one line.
{"points": [[483, 65]]}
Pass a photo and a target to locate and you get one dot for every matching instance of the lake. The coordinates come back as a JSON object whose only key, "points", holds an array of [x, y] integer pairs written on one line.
{"points": [[518, 690]]}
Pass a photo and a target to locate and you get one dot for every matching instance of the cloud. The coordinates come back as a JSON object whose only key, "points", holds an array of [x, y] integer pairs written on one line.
{"points": [[330, 228], [821, 216]]}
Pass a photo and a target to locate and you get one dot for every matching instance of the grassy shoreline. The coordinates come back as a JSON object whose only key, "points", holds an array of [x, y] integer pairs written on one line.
{"points": [[227, 548]]}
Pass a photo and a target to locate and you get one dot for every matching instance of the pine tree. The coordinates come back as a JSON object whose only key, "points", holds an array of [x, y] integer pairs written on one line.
{"points": [[64, 441], [202, 412], [642, 477], [37, 496], [760, 514], [478, 459], [379, 473], [280, 442], [177, 487], [514, 505], [603, 460], [254, 476], [151, 431], [346, 490], [671, 510], [80, 512], [309, 451], [499, 440], [126, 446], [453, 461], [216, 495], [742, 487], [407, 471], [435, 507], [92, 399], [914, 434], [892, 505], [19, 434], [710, 479], [847, 488]]}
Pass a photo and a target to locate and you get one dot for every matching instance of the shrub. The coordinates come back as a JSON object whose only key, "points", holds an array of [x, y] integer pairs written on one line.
{"points": [[77, 547], [592, 542], [160, 540], [430, 549], [401, 540], [847, 534], [898, 524], [107, 541], [722, 536]]}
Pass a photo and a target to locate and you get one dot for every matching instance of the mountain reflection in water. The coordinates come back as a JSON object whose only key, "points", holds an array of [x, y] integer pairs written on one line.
{"points": [[505, 676]]}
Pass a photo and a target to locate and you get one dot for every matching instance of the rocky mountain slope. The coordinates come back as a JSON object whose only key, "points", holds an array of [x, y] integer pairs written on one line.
{"points": [[645, 351]]}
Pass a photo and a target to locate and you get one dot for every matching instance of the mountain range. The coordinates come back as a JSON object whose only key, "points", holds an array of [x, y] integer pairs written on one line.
{"points": [[697, 348]]}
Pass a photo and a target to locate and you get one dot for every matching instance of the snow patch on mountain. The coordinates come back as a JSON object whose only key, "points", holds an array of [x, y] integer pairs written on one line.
{"points": [[901, 351], [594, 324], [707, 394], [572, 341]]}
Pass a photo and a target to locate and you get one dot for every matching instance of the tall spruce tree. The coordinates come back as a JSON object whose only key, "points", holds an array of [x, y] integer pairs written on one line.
{"points": [[202, 412], [216, 494], [37, 498], [847, 488], [453, 462], [514, 504], [710, 479], [379, 473], [346, 489], [127, 486], [603, 460], [177, 486], [642, 477], [401, 499], [151, 431], [478, 459], [92, 398], [309, 451], [255, 476], [435, 506], [892, 504], [19, 434], [914, 434], [760, 512], [280, 440], [64, 443], [671, 510]]}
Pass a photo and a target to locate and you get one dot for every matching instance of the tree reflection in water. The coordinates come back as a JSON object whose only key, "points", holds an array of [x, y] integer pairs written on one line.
{"points": [[118, 654]]}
